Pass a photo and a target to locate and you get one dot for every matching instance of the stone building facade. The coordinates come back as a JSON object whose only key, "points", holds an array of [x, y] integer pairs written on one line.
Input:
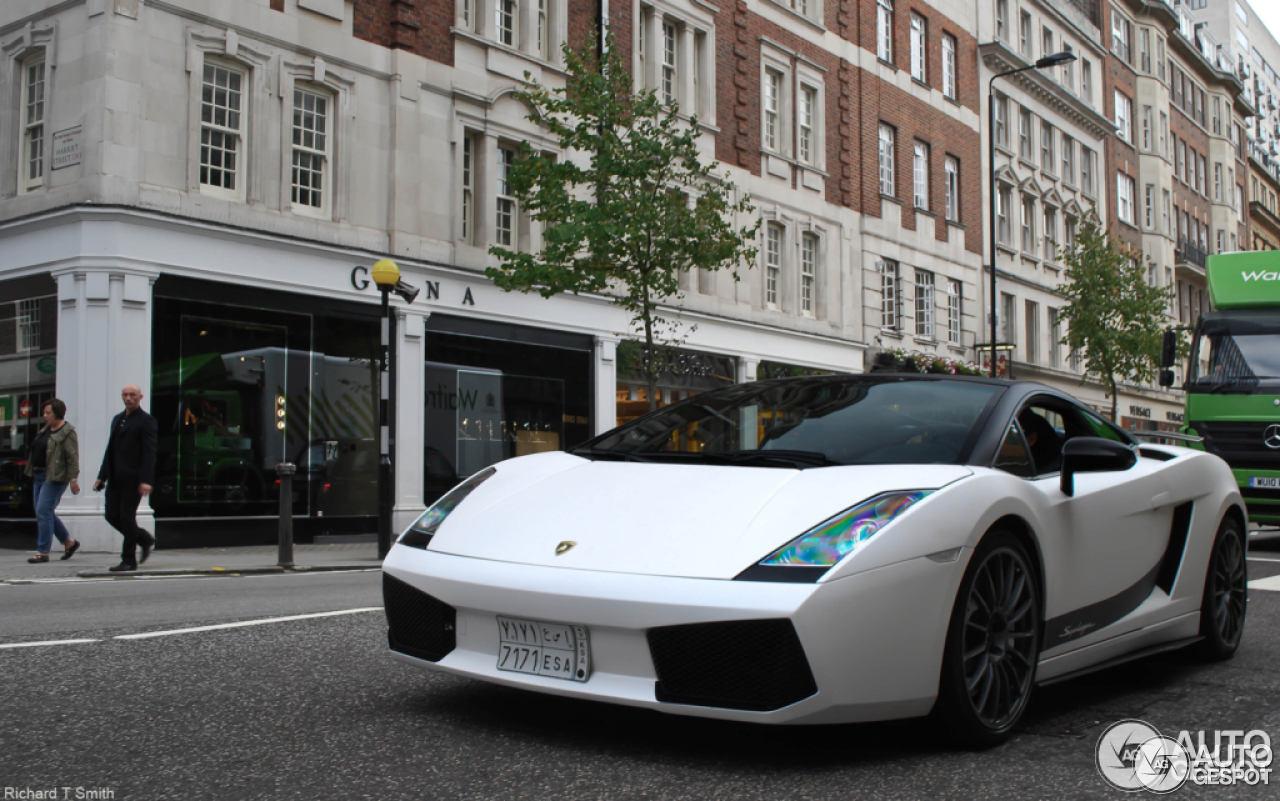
{"points": [[1255, 53], [196, 189], [1050, 136]]}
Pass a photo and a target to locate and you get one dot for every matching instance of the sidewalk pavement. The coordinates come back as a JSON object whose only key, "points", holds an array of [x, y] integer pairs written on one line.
{"points": [[238, 560]]}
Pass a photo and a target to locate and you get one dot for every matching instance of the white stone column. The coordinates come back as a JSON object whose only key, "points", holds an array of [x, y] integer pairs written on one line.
{"points": [[747, 429], [487, 19], [653, 47], [104, 342], [486, 215], [604, 415], [410, 345], [528, 22], [686, 62]]}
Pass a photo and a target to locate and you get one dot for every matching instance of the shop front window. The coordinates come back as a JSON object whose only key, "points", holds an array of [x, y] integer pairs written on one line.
{"points": [[237, 390], [683, 374], [497, 392], [780, 370], [28, 362]]}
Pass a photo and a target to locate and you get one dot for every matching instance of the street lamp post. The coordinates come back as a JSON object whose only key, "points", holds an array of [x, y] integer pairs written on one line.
{"points": [[1048, 61], [386, 275]]}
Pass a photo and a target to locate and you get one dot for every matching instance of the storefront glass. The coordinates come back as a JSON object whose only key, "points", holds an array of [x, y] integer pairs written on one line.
{"points": [[237, 390], [685, 374], [28, 364], [768, 370], [494, 394]]}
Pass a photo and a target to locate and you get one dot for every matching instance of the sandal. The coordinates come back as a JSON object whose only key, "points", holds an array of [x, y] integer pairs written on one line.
{"points": [[38, 558], [71, 551]]}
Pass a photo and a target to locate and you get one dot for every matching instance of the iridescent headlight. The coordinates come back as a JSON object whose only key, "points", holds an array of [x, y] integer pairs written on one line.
{"points": [[421, 532], [828, 542]]}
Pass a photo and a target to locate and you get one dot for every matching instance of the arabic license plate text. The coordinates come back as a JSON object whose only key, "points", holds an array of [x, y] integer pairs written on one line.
{"points": [[554, 650]]}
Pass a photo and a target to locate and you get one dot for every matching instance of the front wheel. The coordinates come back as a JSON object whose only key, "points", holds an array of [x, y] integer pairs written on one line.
{"points": [[993, 644], [1226, 594]]}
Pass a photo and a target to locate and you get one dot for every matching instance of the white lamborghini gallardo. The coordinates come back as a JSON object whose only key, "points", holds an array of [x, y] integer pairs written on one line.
{"points": [[828, 549]]}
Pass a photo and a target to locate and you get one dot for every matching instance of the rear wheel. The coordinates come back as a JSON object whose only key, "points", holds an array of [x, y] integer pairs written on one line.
{"points": [[1226, 594], [993, 644]]}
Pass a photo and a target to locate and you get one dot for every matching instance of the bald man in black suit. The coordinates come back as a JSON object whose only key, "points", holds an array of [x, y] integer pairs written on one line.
{"points": [[128, 471]]}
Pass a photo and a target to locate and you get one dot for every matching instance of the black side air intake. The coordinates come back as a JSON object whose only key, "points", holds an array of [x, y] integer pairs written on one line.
{"points": [[756, 665], [1178, 531], [418, 625]]}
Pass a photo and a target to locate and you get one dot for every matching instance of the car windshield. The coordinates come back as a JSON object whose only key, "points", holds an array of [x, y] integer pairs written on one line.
{"points": [[1237, 352], [809, 422]]}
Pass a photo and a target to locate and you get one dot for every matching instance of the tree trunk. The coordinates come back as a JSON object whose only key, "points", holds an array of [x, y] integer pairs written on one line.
{"points": [[650, 370], [1114, 398]]}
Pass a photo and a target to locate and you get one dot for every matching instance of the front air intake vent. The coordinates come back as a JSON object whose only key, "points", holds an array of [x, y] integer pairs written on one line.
{"points": [[417, 624], [756, 665]]}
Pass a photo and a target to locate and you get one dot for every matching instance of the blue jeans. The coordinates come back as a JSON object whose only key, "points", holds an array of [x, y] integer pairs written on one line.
{"points": [[47, 495]]}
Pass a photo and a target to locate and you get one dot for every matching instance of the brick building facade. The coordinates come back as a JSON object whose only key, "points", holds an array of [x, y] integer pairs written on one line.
{"points": [[1189, 112], [1264, 206]]}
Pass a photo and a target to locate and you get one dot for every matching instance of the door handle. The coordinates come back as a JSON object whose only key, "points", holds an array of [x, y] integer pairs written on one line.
{"points": [[1160, 500]]}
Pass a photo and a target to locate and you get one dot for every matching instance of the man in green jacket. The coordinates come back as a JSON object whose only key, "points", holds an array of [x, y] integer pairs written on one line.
{"points": [[54, 464]]}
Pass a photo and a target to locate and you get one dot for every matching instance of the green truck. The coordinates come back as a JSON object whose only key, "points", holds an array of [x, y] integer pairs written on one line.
{"points": [[1233, 376]]}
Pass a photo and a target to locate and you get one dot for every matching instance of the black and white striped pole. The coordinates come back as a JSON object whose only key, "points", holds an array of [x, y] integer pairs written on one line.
{"points": [[386, 275]]}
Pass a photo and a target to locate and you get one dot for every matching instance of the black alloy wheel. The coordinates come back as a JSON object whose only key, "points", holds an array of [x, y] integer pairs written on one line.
{"points": [[993, 644], [1226, 594]]}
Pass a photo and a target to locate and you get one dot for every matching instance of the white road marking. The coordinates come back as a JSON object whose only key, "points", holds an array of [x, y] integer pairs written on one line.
{"points": [[244, 623], [1269, 583], [19, 582], [190, 577], [1262, 559], [45, 642]]}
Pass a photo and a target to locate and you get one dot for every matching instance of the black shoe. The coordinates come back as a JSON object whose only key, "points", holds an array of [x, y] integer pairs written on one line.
{"points": [[147, 544], [70, 552], [38, 558], [123, 567]]}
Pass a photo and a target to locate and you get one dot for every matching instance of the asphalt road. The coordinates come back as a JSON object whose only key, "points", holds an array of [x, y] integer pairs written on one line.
{"points": [[314, 708]]}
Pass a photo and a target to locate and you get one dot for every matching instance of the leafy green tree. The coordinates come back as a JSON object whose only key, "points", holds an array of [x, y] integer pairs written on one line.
{"points": [[627, 208], [1115, 318]]}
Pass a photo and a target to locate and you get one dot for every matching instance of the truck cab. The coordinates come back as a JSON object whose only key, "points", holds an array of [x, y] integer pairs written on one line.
{"points": [[1233, 376]]}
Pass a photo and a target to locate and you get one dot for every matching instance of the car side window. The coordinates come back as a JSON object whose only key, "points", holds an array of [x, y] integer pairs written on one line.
{"points": [[1104, 429], [1043, 428], [1013, 456]]}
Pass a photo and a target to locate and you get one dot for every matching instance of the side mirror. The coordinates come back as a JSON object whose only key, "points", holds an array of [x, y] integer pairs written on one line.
{"points": [[1093, 455], [1169, 350], [1166, 378]]}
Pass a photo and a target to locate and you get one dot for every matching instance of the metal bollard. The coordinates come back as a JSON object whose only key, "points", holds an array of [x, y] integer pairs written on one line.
{"points": [[285, 471]]}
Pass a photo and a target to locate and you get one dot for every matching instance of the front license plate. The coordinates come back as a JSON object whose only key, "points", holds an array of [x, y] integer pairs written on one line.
{"points": [[1265, 482], [554, 650]]}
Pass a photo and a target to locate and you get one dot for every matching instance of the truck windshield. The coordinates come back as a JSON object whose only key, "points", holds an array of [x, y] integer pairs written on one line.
{"points": [[1236, 351]]}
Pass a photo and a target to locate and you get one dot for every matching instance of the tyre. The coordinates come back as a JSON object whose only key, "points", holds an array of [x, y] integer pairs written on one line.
{"points": [[1226, 594], [993, 645]]}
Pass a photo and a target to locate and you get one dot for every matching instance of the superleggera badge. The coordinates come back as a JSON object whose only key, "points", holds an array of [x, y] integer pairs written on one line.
{"points": [[1074, 631]]}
